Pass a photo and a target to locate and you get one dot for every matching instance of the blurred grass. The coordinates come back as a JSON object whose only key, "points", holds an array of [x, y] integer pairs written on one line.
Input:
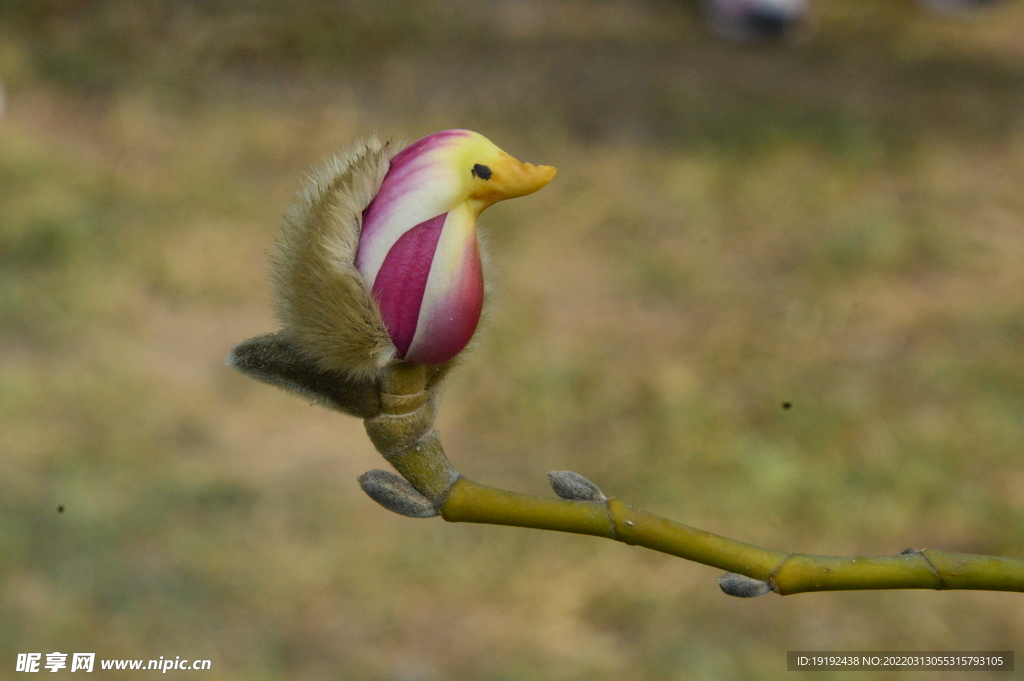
{"points": [[835, 226]]}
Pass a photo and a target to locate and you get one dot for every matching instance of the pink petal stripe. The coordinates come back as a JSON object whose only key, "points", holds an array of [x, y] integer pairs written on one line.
{"points": [[453, 300], [402, 280]]}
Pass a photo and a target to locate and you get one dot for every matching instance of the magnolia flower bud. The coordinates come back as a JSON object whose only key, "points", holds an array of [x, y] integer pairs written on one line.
{"points": [[379, 259], [418, 250]]}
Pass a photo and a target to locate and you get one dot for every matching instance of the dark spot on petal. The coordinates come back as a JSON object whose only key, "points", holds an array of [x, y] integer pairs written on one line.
{"points": [[787, 405], [481, 171], [60, 509]]}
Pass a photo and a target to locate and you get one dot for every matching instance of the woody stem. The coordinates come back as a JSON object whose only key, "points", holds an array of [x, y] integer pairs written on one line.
{"points": [[404, 433]]}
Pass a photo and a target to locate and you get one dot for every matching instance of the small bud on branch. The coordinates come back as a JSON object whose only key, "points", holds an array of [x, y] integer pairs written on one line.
{"points": [[742, 586], [574, 486], [395, 494]]}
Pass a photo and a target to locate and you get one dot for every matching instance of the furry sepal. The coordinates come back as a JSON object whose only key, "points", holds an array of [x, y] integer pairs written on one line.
{"points": [[276, 360], [321, 299]]}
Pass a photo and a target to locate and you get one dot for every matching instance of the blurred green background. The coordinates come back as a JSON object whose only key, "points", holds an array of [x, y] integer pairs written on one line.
{"points": [[838, 225]]}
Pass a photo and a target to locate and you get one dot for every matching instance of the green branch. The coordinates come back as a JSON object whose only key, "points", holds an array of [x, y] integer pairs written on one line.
{"points": [[783, 573], [399, 409]]}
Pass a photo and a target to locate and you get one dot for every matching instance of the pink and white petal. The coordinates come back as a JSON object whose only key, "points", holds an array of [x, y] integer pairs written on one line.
{"points": [[402, 280], [454, 295], [422, 183]]}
